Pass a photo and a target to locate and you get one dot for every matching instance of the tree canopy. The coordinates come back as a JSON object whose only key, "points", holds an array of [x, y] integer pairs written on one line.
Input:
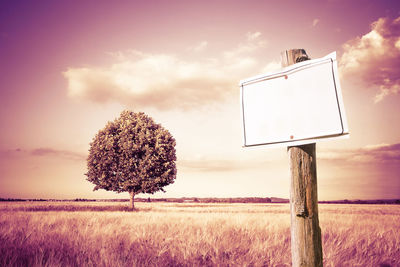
{"points": [[132, 154]]}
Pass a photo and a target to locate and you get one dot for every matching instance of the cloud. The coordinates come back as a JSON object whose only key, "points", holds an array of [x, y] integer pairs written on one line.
{"points": [[374, 58], [163, 81], [10, 153], [315, 22], [223, 163], [49, 152], [253, 43], [42, 152], [166, 81], [215, 165], [381, 153], [251, 36], [272, 66], [199, 47], [384, 152]]}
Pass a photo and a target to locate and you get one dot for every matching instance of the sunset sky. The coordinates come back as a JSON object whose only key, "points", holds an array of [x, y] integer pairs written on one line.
{"points": [[68, 67]]}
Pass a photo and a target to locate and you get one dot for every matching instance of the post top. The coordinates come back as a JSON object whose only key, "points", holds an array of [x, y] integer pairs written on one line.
{"points": [[292, 56]]}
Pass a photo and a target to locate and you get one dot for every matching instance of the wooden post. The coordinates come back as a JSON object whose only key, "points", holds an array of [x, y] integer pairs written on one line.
{"points": [[305, 231]]}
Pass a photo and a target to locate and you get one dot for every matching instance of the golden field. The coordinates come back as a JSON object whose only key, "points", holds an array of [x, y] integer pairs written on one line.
{"points": [[189, 234]]}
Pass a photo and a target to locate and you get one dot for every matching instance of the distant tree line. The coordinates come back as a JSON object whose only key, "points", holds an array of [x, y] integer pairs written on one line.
{"points": [[20, 199], [213, 200]]}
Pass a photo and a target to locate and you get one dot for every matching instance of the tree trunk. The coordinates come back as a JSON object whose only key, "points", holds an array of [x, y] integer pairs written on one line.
{"points": [[132, 199], [305, 231]]}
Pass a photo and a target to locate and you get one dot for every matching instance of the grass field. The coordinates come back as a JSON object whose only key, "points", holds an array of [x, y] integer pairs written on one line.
{"points": [[188, 234]]}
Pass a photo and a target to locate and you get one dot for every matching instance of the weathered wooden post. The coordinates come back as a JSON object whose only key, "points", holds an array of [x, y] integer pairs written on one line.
{"points": [[305, 230], [296, 107]]}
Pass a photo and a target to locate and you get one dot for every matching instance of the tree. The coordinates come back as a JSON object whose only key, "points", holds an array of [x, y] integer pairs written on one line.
{"points": [[132, 154]]}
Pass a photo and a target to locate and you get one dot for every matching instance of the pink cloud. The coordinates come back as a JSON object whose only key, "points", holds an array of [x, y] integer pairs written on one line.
{"points": [[374, 58], [199, 47], [207, 165], [42, 152], [381, 153], [217, 163], [71, 155], [166, 81]]}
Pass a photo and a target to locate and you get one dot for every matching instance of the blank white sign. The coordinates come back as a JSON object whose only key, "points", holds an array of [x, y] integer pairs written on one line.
{"points": [[299, 104]]}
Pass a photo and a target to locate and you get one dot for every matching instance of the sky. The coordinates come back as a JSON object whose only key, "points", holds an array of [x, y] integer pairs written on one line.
{"points": [[69, 67]]}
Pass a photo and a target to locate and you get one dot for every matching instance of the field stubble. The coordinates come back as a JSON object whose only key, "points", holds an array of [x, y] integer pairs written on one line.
{"points": [[188, 234]]}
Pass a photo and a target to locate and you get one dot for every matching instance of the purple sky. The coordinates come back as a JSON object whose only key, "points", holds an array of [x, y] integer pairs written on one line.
{"points": [[67, 67]]}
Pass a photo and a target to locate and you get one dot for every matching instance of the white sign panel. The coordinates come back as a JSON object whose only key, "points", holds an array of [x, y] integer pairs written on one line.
{"points": [[299, 104]]}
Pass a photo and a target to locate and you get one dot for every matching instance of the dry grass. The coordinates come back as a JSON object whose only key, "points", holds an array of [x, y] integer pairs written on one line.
{"points": [[170, 234]]}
